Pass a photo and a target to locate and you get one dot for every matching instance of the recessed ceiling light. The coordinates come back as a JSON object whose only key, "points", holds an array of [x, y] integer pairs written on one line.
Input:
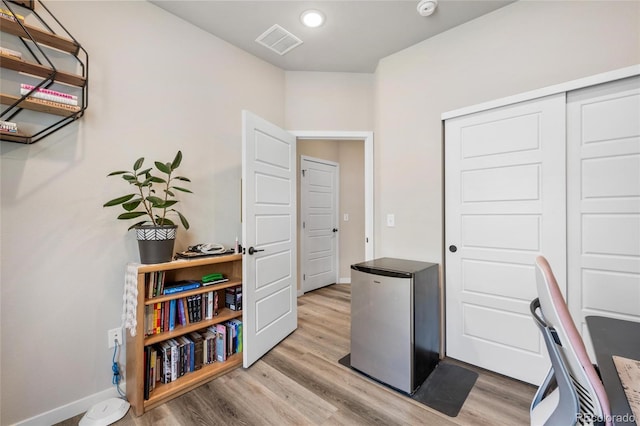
{"points": [[312, 18]]}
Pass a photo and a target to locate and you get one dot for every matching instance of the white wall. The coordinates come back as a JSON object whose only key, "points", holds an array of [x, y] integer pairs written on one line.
{"points": [[157, 84], [524, 46], [328, 101]]}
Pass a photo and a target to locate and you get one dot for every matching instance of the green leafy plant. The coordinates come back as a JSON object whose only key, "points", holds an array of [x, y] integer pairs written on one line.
{"points": [[148, 200]]}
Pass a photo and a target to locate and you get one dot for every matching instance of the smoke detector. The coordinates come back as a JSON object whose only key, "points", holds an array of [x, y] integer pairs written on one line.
{"points": [[427, 7]]}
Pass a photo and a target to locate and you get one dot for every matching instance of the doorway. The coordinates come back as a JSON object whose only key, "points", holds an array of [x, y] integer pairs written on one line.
{"points": [[354, 246], [319, 198]]}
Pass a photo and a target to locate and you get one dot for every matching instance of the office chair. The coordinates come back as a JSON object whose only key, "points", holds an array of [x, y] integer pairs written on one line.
{"points": [[578, 396]]}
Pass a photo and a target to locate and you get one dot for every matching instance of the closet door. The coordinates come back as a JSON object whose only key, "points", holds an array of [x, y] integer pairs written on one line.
{"points": [[504, 205], [603, 147]]}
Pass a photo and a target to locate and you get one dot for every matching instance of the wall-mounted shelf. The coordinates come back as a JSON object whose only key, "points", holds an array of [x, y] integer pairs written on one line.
{"points": [[36, 41]]}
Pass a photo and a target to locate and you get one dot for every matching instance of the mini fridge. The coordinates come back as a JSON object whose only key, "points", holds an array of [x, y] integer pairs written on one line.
{"points": [[395, 321]]}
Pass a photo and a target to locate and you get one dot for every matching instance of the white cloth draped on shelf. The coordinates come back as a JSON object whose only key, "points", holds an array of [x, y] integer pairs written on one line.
{"points": [[130, 298]]}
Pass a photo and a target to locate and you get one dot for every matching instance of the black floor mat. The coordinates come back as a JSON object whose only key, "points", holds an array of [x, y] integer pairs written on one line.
{"points": [[446, 389]]}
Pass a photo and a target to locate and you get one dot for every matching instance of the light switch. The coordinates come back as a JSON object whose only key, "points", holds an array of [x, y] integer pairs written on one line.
{"points": [[391, 220], [346, 217]]}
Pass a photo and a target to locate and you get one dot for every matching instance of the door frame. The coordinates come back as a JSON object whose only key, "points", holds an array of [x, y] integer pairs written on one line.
{"points": [[303, 205], [368, 175]]}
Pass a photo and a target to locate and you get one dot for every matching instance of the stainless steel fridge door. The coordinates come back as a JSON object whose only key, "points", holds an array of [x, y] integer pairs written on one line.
{"points": [[381, 328]]}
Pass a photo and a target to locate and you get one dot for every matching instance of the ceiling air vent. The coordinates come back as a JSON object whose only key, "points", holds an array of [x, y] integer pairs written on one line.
{"points": [[279, 40]]}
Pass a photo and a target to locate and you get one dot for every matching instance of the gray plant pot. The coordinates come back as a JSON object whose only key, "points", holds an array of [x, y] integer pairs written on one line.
{"points": [[155, 243]]}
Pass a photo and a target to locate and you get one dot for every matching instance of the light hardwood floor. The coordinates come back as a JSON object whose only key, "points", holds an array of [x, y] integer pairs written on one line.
{"points": [[300, 382]]}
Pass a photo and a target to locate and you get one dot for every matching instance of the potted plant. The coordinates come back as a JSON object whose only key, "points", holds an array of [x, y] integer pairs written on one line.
{"points": [[154, 198]]}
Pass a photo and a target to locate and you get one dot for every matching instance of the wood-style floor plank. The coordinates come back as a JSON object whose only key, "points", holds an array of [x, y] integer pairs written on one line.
{"points": [[300, 382]]}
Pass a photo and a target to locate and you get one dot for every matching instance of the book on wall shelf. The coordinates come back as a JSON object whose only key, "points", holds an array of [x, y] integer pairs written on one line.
{"points": [[48, 94], [58, 105], [8, 127], [5, 13], [10, 52]]}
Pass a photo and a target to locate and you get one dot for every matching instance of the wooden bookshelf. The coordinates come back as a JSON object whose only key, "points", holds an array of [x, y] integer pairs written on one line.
{"points": [[194, 269]]}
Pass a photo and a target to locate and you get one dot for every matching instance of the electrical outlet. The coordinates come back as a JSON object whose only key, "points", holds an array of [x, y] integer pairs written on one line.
{"points": [[115, 334]]}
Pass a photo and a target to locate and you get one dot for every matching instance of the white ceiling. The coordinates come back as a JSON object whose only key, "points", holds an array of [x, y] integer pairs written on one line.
{"points": [[355, 36]]}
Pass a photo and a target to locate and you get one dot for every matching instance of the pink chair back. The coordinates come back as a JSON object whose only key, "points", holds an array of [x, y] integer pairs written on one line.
{"points": [[556, 314]]}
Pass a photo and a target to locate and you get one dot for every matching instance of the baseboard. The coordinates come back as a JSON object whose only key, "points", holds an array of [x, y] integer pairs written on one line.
{"points": [[72, 409], [344, 280]]}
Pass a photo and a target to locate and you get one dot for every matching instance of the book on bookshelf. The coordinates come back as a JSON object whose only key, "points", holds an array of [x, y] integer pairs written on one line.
{"points": [[50, 95], [6, 13], [233, 298], [221, 343], [209, 346], [50, 92], [165, 377], [218, 281], [8, 126], [172, 314], [180, 286], [197, 349], [71, 108], [175, 353], [238, 335], [147, 371], [10, 52]]}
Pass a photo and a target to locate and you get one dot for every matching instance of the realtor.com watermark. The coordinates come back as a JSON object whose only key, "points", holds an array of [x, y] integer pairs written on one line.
{"points": [[588, 418]]}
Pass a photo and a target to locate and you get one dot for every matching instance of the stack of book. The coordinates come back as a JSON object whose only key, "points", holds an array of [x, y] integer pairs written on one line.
{"points": [[50, 97], [154, 284], [165, 316], [8, 127], [9, 52], [168, 361], [233, 298], [5, 13]]}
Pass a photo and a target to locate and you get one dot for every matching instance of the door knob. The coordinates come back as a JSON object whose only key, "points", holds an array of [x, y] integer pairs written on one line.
{"points": [[253, 250], [335, 229], [453, 248]]}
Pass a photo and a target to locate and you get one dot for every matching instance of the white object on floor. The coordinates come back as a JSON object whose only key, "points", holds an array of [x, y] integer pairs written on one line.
{"points": [[105, 413]]}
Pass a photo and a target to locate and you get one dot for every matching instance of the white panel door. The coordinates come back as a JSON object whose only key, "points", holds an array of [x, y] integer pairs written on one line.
{"points": [[603, 148], [319, 199], [269, 236], [505, 205]]}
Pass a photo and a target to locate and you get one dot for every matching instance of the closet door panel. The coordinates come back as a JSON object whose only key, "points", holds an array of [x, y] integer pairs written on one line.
{"points": [[603, 201], [505, 204]]}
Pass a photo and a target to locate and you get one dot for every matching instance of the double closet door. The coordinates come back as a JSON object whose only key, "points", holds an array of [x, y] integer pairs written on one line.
{"points": [[557, 176]]}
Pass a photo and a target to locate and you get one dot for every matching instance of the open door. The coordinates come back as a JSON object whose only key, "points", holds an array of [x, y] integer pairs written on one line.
{"points": [[268, 236]]}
